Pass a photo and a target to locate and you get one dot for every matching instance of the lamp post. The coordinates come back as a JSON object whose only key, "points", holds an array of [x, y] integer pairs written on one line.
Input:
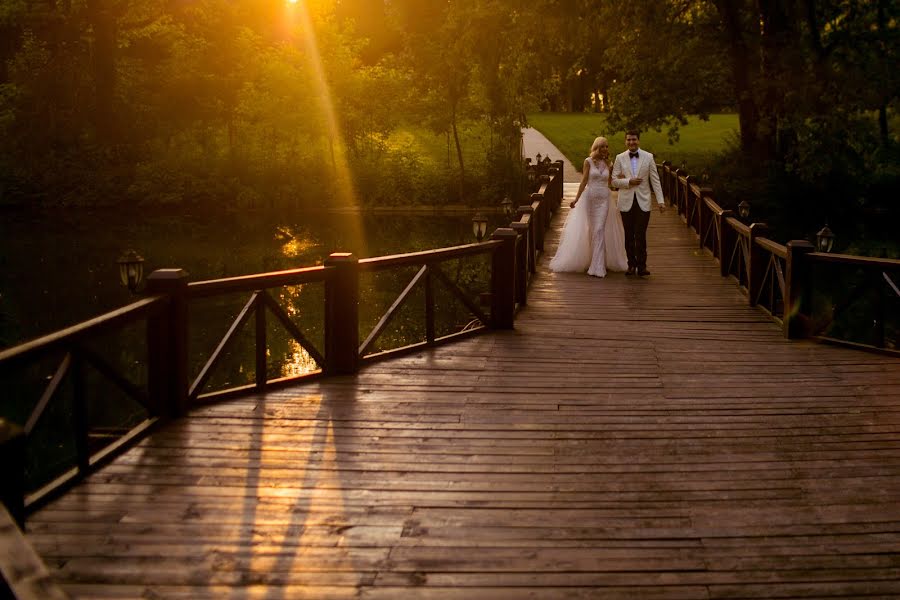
{"points": [[532, 177], [131, 270], [824, 239], [507, 205], [479, 226], [744, 209]]}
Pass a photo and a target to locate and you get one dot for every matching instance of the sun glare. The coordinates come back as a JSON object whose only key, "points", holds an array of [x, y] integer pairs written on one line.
{"points": [[342, 182]]}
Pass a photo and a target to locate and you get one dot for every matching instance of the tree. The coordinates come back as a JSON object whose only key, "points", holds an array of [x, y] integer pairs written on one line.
{"points": [[655, 85]]}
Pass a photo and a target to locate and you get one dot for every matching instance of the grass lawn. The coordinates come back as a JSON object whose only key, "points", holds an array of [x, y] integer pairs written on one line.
{"points": [[573, 134]]}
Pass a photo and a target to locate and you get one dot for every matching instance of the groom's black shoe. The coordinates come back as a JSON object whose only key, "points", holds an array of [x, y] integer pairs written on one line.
{"points": [[631, 271], [643, 273]]}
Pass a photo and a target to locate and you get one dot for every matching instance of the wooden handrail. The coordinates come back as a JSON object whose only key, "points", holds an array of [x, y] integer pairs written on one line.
{"points": [[25, 575], [713, 206], [735, 223], [63, 337], [426, 256], [258, 281], [850, 259], [772, 247]]}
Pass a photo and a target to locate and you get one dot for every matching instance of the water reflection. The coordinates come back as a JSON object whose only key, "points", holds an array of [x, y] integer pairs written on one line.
{"points": [[56, 271], [298, 361], [294, 246]]}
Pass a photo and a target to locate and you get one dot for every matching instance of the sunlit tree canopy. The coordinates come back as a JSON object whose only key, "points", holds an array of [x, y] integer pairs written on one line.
{"points": [[274, 102]]}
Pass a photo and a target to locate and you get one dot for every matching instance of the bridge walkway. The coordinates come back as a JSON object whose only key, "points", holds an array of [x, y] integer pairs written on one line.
{"points": [[631, 438]]}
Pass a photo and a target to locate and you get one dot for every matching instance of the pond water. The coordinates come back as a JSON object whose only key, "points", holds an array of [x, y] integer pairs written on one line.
{"points": [[57, 269]]}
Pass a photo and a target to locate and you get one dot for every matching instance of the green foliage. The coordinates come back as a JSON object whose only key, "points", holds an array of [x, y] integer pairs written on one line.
{"points": [[248, 103], [815, 86], [697, 146], [834, 181], [262, 103]]}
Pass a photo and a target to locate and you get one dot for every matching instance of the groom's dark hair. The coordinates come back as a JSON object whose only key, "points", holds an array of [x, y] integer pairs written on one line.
{"points": [[635, 132]]}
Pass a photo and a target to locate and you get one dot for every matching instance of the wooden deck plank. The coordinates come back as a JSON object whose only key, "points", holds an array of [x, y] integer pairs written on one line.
{"points": [[649, 438]]}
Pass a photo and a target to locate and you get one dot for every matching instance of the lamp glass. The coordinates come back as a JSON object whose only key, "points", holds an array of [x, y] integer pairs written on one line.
{"points": [[825, 239], [131, 269], [479, 226]]}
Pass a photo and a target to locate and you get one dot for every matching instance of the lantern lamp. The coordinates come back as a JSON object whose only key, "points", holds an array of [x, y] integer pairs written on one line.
{"points": [[824, 239], [507, 206], [479, 226], [131, 270]]}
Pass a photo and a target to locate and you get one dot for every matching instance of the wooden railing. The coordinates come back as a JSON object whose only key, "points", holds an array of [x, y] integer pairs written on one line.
{"points": [[22, 573], [71, 352], [799, 288], [162, 384]]}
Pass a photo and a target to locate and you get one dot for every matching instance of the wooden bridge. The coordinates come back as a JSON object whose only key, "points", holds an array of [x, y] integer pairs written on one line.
{"points": [[628, 438]]}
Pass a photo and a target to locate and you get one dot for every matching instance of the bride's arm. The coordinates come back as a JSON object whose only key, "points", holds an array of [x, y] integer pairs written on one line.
{"points": [[619, 180], [585, 174]]}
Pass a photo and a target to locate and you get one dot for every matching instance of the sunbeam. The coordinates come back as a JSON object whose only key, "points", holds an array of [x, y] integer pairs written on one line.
{"points": [[298, 15]]}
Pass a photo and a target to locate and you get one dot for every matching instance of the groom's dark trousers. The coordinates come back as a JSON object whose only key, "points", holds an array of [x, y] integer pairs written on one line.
{"points": [[635, 223]]}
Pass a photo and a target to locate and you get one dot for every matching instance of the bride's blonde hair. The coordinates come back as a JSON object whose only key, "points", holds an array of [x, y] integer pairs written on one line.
{"points": [[595, 147]]}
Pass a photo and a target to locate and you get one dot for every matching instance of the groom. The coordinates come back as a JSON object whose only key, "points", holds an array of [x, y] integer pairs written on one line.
{"points": [[633, 174]]}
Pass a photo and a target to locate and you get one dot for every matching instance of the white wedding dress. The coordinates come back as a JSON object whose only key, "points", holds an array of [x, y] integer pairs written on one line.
{"points": [[593, 238]]}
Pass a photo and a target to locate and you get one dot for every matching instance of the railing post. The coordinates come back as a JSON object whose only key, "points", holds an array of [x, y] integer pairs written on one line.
{"points": [[503, 279], [691, 202], [262, 366], [538, 218], [702, 210], [557, 200], [80, 414], [532, 232], [429, 306], [666, 177], [705, 192], [878, 323], [12, 470], [523, 265], [798, 272], [757, 263], [167, 344], [679, 193], [550, 197], [726, 239], [342, 315]]}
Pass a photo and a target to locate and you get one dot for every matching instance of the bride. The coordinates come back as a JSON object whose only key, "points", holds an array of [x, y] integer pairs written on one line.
{"points": [[593, 239]]}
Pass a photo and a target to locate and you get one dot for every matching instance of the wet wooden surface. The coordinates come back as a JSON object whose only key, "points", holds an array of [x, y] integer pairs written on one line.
{"points": [[653, 439]]}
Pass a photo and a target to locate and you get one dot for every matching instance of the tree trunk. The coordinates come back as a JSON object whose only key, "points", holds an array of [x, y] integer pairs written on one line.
{"points": [[459, 156], [775, 33], [748, 113], [103, 66], [882, 110]]}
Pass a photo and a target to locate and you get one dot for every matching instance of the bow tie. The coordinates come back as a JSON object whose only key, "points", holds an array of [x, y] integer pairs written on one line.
{"points": [[633, 154]]}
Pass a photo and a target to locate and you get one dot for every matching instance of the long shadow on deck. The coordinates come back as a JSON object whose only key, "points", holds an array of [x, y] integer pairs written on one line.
{"points": [[629, 439]]}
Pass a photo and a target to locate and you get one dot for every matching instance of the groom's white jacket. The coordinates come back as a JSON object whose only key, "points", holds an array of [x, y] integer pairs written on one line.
{"points": [[646, 171]]}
